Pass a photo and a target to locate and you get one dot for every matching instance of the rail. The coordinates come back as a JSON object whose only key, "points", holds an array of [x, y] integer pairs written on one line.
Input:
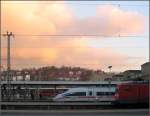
{"points": [[56, 103]]}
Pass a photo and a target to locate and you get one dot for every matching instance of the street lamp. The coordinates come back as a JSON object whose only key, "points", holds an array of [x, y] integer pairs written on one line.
{"points": [[110, 68]]}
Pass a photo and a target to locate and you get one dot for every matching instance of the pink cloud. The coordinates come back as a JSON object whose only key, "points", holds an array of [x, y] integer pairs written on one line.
{"points": [[109, 20], [76, 53], [60, 19]]}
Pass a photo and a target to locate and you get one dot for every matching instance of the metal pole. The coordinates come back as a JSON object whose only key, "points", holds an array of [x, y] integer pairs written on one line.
{"points": [[109, 81], [8, 65], [149, 49], [0, 78]]}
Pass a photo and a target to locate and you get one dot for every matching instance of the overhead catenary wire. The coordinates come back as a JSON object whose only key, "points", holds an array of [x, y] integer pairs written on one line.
{"points": [[99, 47], [70, 64], [17, 58], [74, 3], [78, 35]]}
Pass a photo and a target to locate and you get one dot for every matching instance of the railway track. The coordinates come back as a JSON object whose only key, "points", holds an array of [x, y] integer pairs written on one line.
{"points": [[65, 105]]}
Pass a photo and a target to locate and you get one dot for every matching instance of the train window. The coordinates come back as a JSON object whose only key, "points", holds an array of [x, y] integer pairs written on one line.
{"points": [[77, 94], [111, 93], [99, 93], [90, 93], [105, 93], [108, 93]]}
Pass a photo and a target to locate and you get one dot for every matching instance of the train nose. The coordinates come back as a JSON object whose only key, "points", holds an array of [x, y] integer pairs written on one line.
{"points": [[54, 99], [57, 97]]}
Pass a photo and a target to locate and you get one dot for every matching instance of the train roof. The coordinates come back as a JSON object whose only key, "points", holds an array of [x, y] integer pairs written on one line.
{"points": [[100, 89], [135, 82]]}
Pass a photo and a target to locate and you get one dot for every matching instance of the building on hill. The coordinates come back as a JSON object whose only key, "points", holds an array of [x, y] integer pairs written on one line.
{"points": [[117, 77], [143, 74], [145, 68], [131, 74]]}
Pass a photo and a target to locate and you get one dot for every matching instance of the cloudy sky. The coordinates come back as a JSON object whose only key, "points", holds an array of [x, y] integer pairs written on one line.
{"points": [[122, 28]]}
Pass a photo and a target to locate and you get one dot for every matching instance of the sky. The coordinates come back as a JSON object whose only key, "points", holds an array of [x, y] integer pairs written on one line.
{"points": [[122, 28]]}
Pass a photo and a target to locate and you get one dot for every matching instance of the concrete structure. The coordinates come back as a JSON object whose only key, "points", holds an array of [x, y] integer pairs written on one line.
{"points": [[145, 68], [60, 83], [83, 112]]}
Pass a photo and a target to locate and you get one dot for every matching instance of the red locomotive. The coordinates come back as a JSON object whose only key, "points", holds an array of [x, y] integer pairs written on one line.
{"points": [[132, 92]]}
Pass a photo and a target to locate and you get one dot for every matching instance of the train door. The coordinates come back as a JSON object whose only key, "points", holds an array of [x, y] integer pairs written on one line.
{"points": [[143, 93], [90, 94]]}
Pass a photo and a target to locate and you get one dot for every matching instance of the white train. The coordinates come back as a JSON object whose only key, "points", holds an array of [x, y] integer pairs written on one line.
{"points": [[87, 94]]}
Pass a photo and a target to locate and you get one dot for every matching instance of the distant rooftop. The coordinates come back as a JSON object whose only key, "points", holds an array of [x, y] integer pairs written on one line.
{"points": [[147, 63], [134, 71]]}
